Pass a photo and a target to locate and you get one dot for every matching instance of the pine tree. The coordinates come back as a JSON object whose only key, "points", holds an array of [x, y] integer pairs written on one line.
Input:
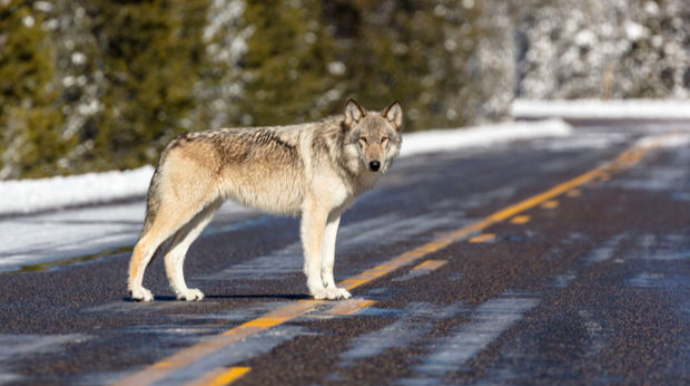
{"points": [[220, 86], [31, 139], [150, 60], [421, 52], [286, 64], [496, 53], [78, 77]]}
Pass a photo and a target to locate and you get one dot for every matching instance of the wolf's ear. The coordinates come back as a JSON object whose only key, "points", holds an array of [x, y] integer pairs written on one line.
{"points": [[394, 114], [353, 112]]}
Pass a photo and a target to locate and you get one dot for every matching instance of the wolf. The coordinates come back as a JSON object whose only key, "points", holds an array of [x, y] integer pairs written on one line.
{"points": [[315, 170]]}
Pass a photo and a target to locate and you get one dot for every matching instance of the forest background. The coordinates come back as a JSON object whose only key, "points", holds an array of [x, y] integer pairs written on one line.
{"points": [[103, 85]]}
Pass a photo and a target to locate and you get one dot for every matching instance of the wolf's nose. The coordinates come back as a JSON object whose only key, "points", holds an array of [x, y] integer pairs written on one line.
{"points": [[374, 166]]}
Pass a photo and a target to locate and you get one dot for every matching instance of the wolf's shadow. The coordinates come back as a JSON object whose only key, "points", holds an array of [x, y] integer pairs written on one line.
{"points": [[251, 296]]}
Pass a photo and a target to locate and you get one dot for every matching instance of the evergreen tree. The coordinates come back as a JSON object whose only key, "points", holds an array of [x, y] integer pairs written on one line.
{"points": [[150, 58], [420, 52], [496, 54], [286, 65], [29, 116], [79, 78], [220, 86]]}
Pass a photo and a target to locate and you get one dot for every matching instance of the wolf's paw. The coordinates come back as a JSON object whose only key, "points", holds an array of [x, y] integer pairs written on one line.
{"points": [[338, 293], [141, 294], [319, 294], [332, 294], [191, 295]]}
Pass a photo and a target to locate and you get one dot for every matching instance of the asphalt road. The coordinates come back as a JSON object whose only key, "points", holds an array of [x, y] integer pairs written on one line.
{"points": [[538, 263]]}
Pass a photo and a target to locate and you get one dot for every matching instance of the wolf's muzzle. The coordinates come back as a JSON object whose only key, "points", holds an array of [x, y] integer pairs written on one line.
{"points": [[374, 166]]}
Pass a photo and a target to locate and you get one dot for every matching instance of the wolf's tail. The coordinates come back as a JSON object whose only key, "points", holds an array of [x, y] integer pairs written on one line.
{"points": [[153, 199], [152, 202]]}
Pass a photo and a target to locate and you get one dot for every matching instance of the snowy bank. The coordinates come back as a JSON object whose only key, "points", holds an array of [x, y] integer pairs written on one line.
{"points": [[29, 196], [481, 136], [598, 109]]}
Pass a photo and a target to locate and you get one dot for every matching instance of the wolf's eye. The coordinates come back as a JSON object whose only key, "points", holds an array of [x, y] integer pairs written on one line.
{"points": [[384, 140], [362, 141]]}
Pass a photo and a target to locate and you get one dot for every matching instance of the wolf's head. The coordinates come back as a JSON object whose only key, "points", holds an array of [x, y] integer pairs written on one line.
{"points": [[372, 139]]}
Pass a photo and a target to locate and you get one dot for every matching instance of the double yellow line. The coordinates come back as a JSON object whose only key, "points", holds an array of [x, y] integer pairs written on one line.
{"points": [[185, 357]]}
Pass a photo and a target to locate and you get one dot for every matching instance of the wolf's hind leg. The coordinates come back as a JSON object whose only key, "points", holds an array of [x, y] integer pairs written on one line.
{"points": [[174, 258], [169, 218], [166, 223], [328, 260]]}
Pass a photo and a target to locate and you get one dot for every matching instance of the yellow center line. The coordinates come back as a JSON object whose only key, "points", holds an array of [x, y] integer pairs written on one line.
{"points": [[182, 358], [551, 204], [430, 265], [483, 238], [155, 372], [520, 219], [220, 377], [350, 306], [164, 364], [266, 322], [574, 193]]}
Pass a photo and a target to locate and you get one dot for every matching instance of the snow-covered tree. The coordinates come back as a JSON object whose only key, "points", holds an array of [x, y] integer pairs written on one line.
{"points": [[496, 55], [78, 75], [220, 86], [609, 49]]}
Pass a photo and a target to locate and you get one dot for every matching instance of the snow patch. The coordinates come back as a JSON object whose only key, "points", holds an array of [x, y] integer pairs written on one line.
{"points": [[598, 109], [585, 38], [635, 31], [667, 141], [28, 196], [483, 136]]}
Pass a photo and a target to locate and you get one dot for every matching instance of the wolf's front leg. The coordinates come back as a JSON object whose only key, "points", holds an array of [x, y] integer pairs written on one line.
{"points": [[329, 259], [314, 219]]}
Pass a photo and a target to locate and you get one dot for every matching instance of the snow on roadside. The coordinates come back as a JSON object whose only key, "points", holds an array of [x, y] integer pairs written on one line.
{"points": [[670, 140], [30, 196], [598, 109], [482, 136]]}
